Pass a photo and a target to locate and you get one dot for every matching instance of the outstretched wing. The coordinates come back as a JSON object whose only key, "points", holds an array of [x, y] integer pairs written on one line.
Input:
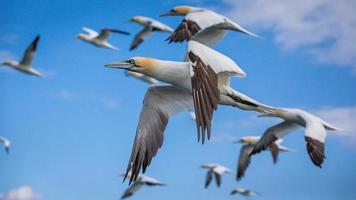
{"points": [[91, 32], [131, 190], [208, 178], [140, 37], [30, 53], [272, 134], [244, 160], [159, 104], [106, 32], [315, 135]]}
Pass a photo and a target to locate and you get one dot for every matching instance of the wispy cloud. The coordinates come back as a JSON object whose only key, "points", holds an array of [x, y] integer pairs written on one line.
{"points": [[223, 137], [21, 193], [323, 28], [4, 55]]}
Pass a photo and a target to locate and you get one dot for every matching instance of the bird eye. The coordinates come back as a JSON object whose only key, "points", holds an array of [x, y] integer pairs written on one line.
{"points": [[131, 61]]}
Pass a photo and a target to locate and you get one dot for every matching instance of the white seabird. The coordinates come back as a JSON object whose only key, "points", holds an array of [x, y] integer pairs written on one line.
{"points": [[140, 181], [99, 40], [7, 144], [150, 26], [244, 192], [210, 25], [245, 152], [202, 84], [315, 131], [25, 65], [215, 170], [142, 77]]}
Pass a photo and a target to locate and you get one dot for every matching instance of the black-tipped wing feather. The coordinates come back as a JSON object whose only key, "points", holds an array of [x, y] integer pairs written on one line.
{"points": [[185, 31], [30, 52], [106, 32], [315, 150], [244, 160], [140, 37]]}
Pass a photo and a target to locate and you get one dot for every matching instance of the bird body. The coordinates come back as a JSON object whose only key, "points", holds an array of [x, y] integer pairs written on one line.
{"points": [[25, 65], [244, 192], [99, 39], [7, 144], [214, 170]]}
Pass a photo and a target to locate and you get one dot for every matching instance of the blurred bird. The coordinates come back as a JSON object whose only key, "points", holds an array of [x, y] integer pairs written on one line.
{"points": [[25, 64], [150, 26], [202, 83], [244, 192], [141, 77], [141, 181], [99, 40], [210, 26], [215, 170], [7, 144], [315, 131], [245, 156]]}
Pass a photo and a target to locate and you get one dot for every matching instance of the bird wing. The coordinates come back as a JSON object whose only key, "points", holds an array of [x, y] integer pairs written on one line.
{"points": [[140, 37], [244, 160], [30, 53], [209, 177], [217, 179], [132, 189], [315, 135], [272, 134], [229, 24], [158, 26], [141, 77], [149, 181], [91, 32], [206, 65], [106, 32], [193, 23], [159, 104]]}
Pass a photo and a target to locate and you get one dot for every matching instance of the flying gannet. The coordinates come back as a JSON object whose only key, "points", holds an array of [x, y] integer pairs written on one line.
{"points": [[25, 64], [150, 26], [315, 131], [202, 84], [7, 144], [210, 26], [244, 192], [141, 77], [245, 156], [215, 170], [99, 40], [140, 181]]}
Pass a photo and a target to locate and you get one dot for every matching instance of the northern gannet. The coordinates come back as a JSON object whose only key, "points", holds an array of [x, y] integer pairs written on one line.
{"points": [[140, 181], [150, 26], [141, 77], [315, 131], [202, 84], [99, 40], [245, 152], [210, 25], [244, 192], [215, 170], [25, 64], [7, 144]]}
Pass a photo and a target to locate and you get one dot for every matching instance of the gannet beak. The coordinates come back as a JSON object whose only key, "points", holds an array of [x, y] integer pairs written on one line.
{"points": [[121, 65], [170, 13]]}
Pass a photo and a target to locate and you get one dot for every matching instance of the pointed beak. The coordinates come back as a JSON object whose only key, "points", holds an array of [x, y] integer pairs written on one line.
{"points": [[170, 13], [121, 65]]}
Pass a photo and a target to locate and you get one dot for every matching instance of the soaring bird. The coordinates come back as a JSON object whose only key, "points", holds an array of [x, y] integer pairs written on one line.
{"points": [[141, 181], [315, 131], [215, 170], [210, 25], [244, 192], [99, 40], [202, 84], [150, 26], [142, 77], [7, 144], [245, 156], [25, 64]]}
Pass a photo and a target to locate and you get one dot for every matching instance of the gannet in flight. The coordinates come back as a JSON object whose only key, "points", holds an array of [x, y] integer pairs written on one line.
{"points": [[202, 84], [25, 64], [315, 131], [150, 26], [215, 170], [142, 77], [7, 144], [99, 40], [140, 181], [244, 192], [210, 26], [245, 156]]}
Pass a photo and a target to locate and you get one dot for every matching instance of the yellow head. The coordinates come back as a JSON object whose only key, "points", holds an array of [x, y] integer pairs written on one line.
{"points": [[136, 64], [181, 10]]}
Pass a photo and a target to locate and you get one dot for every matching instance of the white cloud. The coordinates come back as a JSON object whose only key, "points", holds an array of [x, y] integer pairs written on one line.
{"points": [[21, 193], [5, 55], [222, 137], [323, 28]]}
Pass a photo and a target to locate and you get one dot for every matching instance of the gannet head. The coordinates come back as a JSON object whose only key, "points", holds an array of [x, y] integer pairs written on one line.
{"points": [[248, 139], [10, 63], [140, 20], [181, 11], [82, 37], [136, 64]]}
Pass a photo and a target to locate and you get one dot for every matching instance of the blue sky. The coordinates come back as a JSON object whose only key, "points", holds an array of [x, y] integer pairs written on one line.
{"points": [[72, 132]]}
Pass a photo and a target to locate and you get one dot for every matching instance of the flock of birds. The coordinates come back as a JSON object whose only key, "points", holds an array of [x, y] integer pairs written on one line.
{"points": [[199, 83]]}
